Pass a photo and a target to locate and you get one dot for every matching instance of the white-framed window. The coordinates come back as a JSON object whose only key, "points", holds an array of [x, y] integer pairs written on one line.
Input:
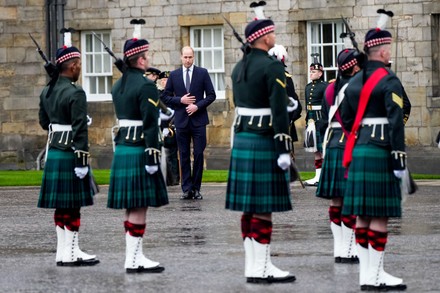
{"points": [[97, 69], [323, 37], [207, 42]]}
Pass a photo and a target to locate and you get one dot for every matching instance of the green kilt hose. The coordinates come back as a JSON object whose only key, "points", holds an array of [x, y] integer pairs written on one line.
{"points": [[372, 189], [332, 182], [61, 188], [130, 184], [256, 184]]}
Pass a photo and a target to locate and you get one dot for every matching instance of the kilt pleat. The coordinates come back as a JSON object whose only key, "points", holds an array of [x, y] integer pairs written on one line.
{"points": [[130, 185], [256, 184], [372, 189], [60, 187], [332, 182]]}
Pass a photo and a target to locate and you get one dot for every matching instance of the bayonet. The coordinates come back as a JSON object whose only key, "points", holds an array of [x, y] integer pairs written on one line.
{"points": [[48, 66], [119, 63]]}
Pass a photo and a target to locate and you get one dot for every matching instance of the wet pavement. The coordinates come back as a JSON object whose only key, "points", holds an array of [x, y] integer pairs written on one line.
{"points": [[199, 243]]}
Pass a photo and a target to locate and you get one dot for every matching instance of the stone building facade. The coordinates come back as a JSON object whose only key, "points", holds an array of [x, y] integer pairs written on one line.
{"points": [[171, 24]]}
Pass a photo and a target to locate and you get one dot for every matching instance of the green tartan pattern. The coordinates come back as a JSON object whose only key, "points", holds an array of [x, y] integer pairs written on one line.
{"points": [[332, 182], [256, 184], [60, 187], [130, 185], [372, 189]]}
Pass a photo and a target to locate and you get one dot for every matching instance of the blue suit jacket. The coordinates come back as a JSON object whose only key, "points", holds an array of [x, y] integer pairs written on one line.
{"points": [[201, 85]]}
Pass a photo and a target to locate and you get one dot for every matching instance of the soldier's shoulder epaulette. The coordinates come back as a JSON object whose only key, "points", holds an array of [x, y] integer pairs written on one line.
{"points": [[288, 74]]}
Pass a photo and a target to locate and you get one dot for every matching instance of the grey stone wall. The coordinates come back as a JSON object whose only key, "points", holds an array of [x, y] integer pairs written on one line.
{"points": [[415, 27]]}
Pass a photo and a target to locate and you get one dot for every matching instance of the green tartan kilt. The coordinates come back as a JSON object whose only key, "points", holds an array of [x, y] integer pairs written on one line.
{"points": [[332, 182], [372, 189], [256, 184], [60, 187], [130, 184]]}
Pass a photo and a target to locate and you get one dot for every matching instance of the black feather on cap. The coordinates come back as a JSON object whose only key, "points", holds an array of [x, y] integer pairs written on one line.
{"points": [[67, 51], [316, 65]]}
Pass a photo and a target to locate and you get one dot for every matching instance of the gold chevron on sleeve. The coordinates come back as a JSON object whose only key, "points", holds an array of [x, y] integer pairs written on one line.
{"points": [[397, 99], [153, 102], [281, 83]]}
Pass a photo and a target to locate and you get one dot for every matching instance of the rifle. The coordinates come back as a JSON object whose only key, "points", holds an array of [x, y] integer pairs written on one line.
{"points": [[349, 33], [245, 46], [48, 66], [119, 63]]}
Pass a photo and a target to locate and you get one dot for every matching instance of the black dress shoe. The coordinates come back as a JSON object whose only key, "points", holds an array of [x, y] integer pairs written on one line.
{"points": [[187, 195], [197, 195]]}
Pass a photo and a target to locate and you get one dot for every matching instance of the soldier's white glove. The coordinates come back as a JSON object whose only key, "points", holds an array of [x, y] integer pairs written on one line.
{"points": [[89, 120], [166, 116], [293, 105], [165, 132], [399, 173], [284, 161], [151, 169], [81, 172]]}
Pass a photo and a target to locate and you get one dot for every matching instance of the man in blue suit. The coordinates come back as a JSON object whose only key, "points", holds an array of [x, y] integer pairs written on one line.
{"points": [[189, 91]]}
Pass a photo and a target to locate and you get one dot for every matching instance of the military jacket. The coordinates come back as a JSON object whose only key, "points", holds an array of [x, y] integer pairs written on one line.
{"points": [[135, 97], [264, 87], [314, 94], [67, 105], [386, 101], [336, 136], [295, 114]]}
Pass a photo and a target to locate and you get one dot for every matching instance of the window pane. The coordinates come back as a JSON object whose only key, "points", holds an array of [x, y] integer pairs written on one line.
{"points": [[109, 84], [98, 63], [218, 59], [327, 61], [207, 35], [197, 41], [207, 59], [331, 74], [89, 63], [92, 88], [107, 63], [221, 81], [218, 37], [101, 85], [327, 33], [316, 33], [198, 58], [88, 43]]}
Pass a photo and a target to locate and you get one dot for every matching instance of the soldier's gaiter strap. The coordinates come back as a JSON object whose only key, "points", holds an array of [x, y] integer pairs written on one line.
{"points": [[81, 158]]}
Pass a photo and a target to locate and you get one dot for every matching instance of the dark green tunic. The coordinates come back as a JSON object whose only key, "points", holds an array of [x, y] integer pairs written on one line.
{"points": [[66, 105], [372, 189], [256, 184], [135, 97], [315, 92]]}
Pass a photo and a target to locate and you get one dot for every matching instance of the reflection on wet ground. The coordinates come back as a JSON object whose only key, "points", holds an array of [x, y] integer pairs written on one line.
{"points": [[200, 245]]}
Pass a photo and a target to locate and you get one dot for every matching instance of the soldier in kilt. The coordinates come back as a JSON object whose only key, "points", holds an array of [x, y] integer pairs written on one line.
{"points": [[258, 182], [333, 176], [66, 177], [136, 181], [315, 91], [378, 158]]}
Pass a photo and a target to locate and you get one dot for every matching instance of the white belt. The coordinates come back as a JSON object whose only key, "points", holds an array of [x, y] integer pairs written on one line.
{"points": [[379, 120], [253, 111], [60, 127], [314, 108], [129, 123], [335, 124]]}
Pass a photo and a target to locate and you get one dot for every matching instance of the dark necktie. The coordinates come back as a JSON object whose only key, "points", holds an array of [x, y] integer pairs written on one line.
{"points": [[187, 82]]}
